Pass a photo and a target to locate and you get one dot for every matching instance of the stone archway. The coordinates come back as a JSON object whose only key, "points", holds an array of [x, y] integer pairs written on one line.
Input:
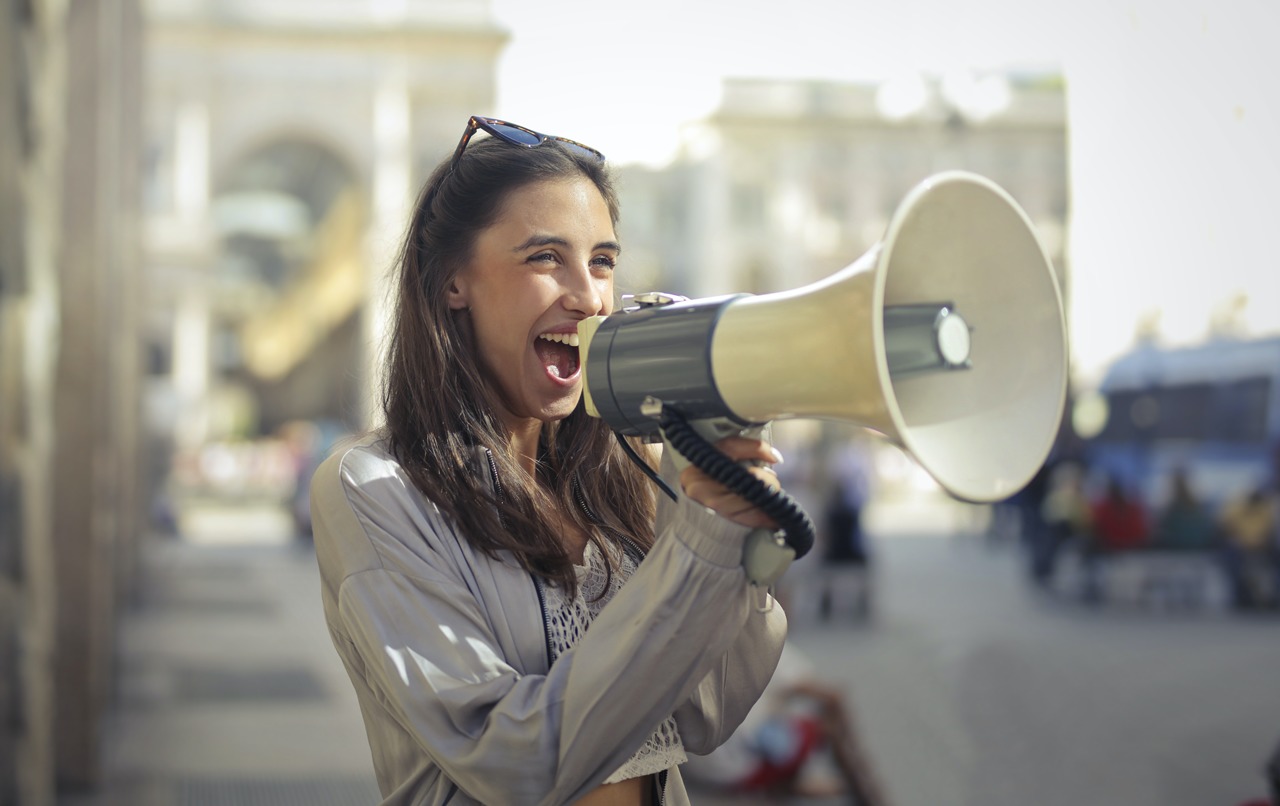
{"points": [[290, 218], [272, 201]]}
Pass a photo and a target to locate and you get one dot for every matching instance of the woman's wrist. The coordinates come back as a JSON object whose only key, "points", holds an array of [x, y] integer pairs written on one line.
{"points": [[710, 536]]}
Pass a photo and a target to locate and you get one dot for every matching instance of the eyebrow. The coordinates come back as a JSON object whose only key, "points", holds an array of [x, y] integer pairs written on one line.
{"points": [[552, 240]]}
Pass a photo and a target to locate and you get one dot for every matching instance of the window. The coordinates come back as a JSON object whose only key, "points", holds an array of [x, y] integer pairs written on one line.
{"points": [[1233, 411]]}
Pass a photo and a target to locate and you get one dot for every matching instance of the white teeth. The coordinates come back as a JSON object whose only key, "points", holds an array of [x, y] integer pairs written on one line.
{"points": [[570, 339]]}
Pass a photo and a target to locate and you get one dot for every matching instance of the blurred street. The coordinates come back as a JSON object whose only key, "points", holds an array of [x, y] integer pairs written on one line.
{"points": [[972, 689], [969, 687], [229, 689]]}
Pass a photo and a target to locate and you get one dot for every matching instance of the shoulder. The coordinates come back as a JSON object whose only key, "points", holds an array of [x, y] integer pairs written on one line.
{"points": [[357, 478], [367, 513], [356, 462]]}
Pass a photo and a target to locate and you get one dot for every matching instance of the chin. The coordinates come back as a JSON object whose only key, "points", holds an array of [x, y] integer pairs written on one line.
{"points": [[560, 409]]}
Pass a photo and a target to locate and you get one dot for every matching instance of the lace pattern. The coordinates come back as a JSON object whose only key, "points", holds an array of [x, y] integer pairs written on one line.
{"points": [[568, 619]]}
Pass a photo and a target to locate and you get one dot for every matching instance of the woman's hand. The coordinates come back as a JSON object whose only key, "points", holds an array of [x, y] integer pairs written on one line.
{"points": [[715, 496]]}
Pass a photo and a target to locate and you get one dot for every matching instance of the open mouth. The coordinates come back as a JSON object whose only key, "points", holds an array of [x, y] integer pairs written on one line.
{"points": [[558, 353]]}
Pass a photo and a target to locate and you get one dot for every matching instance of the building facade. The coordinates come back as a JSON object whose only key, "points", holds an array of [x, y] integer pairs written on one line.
{"points": [[70, 78], [199, 203], [790, 181], [285, 143]]}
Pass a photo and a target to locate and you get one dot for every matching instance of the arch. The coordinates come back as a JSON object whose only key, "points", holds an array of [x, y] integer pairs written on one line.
{"points": [[270, 204], [299, 165]]}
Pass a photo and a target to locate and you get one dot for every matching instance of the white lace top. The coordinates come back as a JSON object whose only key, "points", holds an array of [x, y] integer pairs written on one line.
{"points": [[568, 619]]}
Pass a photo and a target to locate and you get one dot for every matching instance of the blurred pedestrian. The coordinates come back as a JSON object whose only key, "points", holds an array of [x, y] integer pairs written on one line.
{"points": [[1118, 523], [1248, 525], [1066, 519], [845, 578], [1029, 503], [1184, 526], [798, 719], [302, 440], [1272, 773], [1184, 523]]}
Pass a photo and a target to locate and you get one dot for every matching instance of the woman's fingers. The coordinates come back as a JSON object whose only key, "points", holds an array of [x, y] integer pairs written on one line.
{"points": [[744, 449], [715, 496]]}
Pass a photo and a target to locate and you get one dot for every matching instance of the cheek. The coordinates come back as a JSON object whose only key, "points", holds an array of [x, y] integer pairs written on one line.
{"points": [[506, 327], [503, 336]]}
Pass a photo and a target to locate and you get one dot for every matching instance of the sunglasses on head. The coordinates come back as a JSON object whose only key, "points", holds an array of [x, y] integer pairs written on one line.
{"points": [[517, 136]]}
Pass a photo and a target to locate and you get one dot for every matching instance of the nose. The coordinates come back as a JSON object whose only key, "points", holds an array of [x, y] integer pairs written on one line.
{"points": [[585, 293]]}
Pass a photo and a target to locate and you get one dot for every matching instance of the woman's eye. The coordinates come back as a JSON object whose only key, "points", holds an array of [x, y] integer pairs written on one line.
{"points": [[604, 262], [543, 257]]}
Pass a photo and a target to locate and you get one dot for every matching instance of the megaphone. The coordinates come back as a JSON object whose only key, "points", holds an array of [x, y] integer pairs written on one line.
{"points": [[947, 337]]}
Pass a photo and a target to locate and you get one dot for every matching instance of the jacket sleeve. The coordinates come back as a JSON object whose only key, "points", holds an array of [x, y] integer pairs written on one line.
{"points": [[432, 657], [720, 702]]}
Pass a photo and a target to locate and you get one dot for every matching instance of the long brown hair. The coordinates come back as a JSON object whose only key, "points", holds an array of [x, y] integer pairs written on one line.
{"points": [[440, 410]]}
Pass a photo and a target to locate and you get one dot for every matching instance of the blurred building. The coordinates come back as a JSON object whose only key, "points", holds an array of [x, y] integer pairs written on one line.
{"points": [[198, 202], [70, 489], [284, 144], [790, 181]]}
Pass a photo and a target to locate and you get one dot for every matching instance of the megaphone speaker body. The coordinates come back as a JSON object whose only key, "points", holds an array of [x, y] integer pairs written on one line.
{"points": [[981, 422]]}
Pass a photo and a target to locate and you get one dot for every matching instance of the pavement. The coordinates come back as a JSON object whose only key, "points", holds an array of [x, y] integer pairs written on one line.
{"points": [[228, 688], [968, 686]]}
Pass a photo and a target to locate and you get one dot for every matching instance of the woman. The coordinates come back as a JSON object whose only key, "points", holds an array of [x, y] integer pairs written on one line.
{"points": [[466, 547]]}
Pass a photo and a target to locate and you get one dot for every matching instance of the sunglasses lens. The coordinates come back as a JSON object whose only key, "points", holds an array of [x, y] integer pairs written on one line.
{"points": [[514, 135]]}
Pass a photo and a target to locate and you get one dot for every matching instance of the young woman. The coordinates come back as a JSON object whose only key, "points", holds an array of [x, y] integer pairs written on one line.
{"points": [[468, 545]]}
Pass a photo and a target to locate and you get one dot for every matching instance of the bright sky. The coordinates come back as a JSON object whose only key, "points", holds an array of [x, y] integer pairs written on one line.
{"points": [[624, 76], [1174, 114]]}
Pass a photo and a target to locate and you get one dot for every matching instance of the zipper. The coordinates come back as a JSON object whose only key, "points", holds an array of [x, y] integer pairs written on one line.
{"points": [[546, 617], [537, 580], [662, 788], [636, 553], [493, 476], [581, 498]]}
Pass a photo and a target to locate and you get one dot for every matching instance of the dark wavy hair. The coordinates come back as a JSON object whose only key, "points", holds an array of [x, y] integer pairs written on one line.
{"points": [[440, 410]]}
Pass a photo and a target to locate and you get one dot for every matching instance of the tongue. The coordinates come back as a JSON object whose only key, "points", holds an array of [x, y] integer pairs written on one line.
{"points": [[561, 360]]}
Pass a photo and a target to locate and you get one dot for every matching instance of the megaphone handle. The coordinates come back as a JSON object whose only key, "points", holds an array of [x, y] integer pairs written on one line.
{"points": [[687, 443], [713, 430]]}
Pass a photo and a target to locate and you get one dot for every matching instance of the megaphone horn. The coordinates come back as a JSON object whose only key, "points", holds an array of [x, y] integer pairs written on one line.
{"points": [[948, 337]]}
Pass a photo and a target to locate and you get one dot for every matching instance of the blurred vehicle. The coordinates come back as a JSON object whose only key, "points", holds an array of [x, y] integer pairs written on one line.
{"points": [[1211, 410], [1188, 433]]}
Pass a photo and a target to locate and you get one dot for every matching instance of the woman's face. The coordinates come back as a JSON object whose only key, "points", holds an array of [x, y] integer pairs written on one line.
{"points": [[545, 264]]}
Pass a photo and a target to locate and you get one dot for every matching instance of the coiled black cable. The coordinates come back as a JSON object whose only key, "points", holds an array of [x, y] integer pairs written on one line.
{"points": [[795, 523]]}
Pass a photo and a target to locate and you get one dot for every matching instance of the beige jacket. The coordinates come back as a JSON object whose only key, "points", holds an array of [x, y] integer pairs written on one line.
{"points": [[446, 647]]}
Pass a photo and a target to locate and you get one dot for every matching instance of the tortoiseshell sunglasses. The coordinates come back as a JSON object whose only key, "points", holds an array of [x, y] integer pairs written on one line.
{"points": [[517, 136]]}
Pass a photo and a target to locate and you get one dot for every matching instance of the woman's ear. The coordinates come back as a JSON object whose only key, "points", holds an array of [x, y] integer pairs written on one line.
{"points": [[459, 300]]}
